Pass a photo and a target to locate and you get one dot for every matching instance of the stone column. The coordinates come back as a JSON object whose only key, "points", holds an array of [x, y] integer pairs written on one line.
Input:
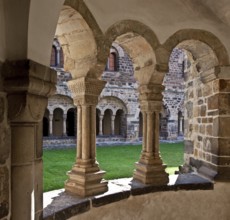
{"points": [[181, 126], [64, 125], [101, 124], [50, 125], [85, 178], [150, 169], [113, 125], [28, 85]]}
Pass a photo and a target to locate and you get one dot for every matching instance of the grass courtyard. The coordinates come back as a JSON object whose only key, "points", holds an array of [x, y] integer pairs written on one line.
{"points": [[117, 161]]}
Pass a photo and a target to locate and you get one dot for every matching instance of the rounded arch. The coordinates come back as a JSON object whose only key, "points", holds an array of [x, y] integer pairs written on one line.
{"points": [[112, 103], [199, 35], [86, 14], [140, 42], [77, 40], [60, 101], [126, 26]]}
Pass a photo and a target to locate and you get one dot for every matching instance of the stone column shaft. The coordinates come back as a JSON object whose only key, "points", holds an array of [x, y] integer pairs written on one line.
{"points": [[101, 124], [28, 85], [51, 125], [113, 124], [150, 169], [181, 126], [85, 178], [64, 125]]}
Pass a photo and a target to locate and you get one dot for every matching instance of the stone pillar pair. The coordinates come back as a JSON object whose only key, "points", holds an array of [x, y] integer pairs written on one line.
{"points": [[101, 124], [86, 178], [150, 169], [51, 124], [28, 85]]}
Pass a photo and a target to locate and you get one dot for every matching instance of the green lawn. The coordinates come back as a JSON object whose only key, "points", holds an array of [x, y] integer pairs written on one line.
{"points": [[117, 161]]}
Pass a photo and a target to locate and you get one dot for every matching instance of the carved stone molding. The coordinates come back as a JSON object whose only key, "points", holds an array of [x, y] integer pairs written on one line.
{"points": [[151, 92], [28, 85], [86, 90], [150, 97]]}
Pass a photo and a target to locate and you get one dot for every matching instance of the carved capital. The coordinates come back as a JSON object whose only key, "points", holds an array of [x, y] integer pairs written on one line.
{"points": [[151, 106], [151, 92], [28, 86], [86, 90]]}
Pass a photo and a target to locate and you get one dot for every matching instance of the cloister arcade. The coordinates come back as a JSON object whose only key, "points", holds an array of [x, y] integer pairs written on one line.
{"points": [[86, 31]]}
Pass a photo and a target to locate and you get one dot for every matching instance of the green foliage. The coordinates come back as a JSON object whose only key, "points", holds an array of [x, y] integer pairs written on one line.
{"points": [[117, 161]]}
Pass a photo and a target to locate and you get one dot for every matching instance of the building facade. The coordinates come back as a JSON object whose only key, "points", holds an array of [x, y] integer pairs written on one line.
{"points": [[118, 115]]}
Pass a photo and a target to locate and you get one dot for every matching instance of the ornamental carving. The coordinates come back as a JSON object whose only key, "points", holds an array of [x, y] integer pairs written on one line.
{"points": [[86, 90], [28, 85]]}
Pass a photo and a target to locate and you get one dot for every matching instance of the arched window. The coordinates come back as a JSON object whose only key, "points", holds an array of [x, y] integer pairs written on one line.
{"points": [[53, 59], [112, 62]]}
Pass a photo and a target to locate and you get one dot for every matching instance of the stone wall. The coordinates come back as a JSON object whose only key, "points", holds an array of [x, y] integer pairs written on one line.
{"points": [[4, 156], [174, 90], [207, 121], [179, 205]]}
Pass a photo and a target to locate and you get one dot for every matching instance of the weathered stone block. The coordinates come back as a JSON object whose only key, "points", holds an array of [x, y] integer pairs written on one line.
{"points": [[221, 127], [188, 147], [4, 192], [207, 89], [224, 146], [221, 102], [221, 85], [209, 130], [203, 110], [224, 161], [4, 143]]}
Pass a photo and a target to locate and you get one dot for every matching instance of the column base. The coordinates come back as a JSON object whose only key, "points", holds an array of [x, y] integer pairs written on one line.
{"points": [[152, 174], [86, 181]]}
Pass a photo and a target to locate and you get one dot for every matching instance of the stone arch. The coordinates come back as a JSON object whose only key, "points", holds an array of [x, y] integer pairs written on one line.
{"points": [[198, 35], [57, 56], [140, 42], [77, 41], [112, 103], [60, 101], [119, 49], [205, 57], [86, 14]]}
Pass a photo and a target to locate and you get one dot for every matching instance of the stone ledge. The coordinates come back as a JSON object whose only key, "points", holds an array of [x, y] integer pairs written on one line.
{"points": [[58, 205]]}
